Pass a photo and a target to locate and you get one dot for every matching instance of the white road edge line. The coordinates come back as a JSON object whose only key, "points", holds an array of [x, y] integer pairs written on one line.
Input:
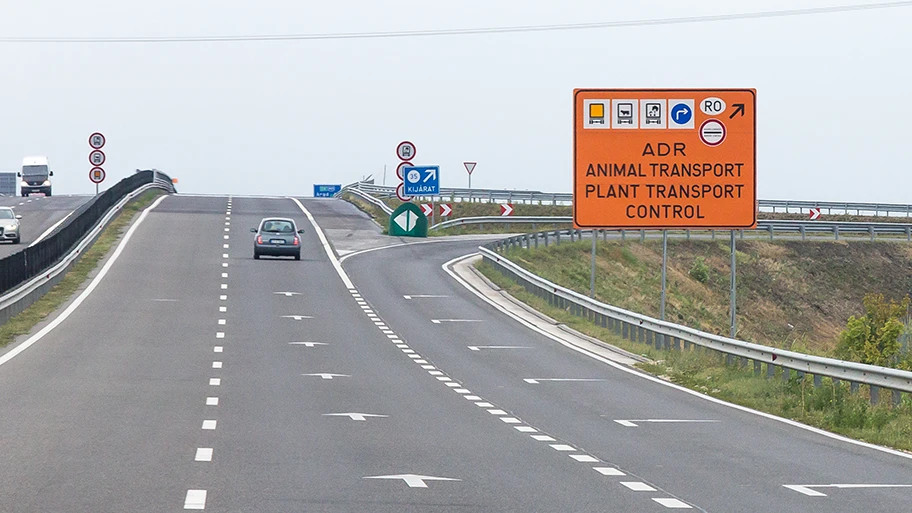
{"points": [[49, 230], [446, 267], [82, 297], [326, 247]]}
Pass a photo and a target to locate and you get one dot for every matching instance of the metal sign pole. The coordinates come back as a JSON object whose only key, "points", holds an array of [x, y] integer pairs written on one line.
{"points": [[733, 306], [664, 271], [96, 189], [592, 272]]}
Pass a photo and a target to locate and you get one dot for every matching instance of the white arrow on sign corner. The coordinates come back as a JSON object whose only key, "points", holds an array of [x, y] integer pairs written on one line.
{"points": [[414, 480], [431, 173]]}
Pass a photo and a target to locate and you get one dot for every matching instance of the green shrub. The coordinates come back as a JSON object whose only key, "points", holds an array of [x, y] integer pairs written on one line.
{"points": [[873, 338], [700, 271]]}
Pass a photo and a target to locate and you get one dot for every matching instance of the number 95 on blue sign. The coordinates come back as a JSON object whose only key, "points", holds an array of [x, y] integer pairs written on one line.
{"points": [[421, 180]]}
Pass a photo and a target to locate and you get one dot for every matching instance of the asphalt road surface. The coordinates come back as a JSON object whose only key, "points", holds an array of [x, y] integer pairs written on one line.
{"points": [[39, 214], [193, 377]]}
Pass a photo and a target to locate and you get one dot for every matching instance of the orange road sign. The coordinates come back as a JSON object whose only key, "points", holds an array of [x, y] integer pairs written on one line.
{"points": [[664, 158]]}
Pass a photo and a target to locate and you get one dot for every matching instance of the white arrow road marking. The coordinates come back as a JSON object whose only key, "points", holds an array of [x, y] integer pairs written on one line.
{"points": [[297, 317], [326, 375], [416, 296], [806, 489], [413, 480], [288, 294], [631, 423], [479, 348], [356, 416], [438, 321], [306, 344], [536, 381]]}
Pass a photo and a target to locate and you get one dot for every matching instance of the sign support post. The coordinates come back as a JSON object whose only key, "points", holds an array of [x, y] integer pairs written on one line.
{"points": [[733, 307], [664, 271], [592, 271]]}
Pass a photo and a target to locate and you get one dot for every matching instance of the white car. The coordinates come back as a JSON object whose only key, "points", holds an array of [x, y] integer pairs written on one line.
{"points": [[9, 225]]}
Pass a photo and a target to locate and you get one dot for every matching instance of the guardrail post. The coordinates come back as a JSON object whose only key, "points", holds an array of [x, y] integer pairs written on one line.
{"points": [[713, 232], [818, 380], [854, 386], [572, 234], [897, 397], [875, 394], [741, 234], [686, 345], [688, 234], [557, 237], [758, 367], [800, 375], [836, 232], [871, 230], [604, 235], [908, 234], [641, 334], [625, 330], [771, 232], [803, 235], [729, 360], [642, 235], [535, 236], [786, 373], [676, 342], [770, 370], [649, 337], [546, 239]]}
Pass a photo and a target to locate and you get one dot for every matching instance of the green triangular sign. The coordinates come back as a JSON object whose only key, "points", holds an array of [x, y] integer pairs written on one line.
{"points": [[408, 221]]}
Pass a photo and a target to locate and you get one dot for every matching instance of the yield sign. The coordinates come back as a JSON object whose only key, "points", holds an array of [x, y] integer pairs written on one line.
{"points": [[506, 209], [413, 480], [815, 213], [470, 166], [427, 208], [446, 210]]}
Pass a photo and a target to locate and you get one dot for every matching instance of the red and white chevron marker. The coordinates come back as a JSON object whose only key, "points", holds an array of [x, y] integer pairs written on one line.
{"points": [[815, 213], [427, 208], [446, 210], [506, 209]]}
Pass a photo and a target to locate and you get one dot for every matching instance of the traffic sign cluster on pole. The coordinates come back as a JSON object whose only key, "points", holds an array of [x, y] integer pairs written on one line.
{"points": [[406, 152], [97, 159]]}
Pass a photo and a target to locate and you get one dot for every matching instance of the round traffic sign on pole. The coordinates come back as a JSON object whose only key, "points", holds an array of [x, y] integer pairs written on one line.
{"points": [[400, 193], [405, 150], [399, 169], [97, 158], [97, 175], [97, 141]]}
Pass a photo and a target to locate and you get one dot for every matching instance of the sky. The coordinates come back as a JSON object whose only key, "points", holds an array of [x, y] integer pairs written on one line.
{"points": [[276, 117]]}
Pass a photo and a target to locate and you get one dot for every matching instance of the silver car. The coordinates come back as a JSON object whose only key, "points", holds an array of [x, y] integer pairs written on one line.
{"points": [[277, 236], [9, 225]]}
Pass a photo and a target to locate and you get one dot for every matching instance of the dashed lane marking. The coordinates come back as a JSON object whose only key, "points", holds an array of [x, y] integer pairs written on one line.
{"points": [[209, 425], [216, 365], [638, 486], [196, 499], [218, 349], [673, 503], [215, 382], [212, 401], [203, 454]]}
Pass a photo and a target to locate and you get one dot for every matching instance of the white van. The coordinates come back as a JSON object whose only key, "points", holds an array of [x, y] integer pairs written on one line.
{"points": [[36, 176]]}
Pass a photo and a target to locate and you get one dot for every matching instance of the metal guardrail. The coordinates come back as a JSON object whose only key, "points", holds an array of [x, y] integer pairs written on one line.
{"points": [[565, 198], [772, 227], [28, 274], [666, 335], [366, 197]]}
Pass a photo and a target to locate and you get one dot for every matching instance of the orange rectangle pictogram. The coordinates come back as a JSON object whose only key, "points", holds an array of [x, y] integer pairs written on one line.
{"points": [[664, 158]]}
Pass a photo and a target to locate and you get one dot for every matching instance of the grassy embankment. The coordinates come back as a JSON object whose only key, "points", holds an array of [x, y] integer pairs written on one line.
{"points": [[23, 323], [795, 295]]}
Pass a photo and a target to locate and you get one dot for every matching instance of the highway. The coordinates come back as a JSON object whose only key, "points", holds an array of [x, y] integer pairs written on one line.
{"points": [[191, 377], [39, 214]]}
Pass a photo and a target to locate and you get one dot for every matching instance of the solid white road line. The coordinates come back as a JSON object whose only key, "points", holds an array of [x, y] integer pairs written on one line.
{"points": [[88, 290], [326, 246], [196, 499], [49, 230]]}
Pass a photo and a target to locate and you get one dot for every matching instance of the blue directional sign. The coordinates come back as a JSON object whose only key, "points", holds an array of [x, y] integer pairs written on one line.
{"points": [[421, 180], [326, 191]]}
